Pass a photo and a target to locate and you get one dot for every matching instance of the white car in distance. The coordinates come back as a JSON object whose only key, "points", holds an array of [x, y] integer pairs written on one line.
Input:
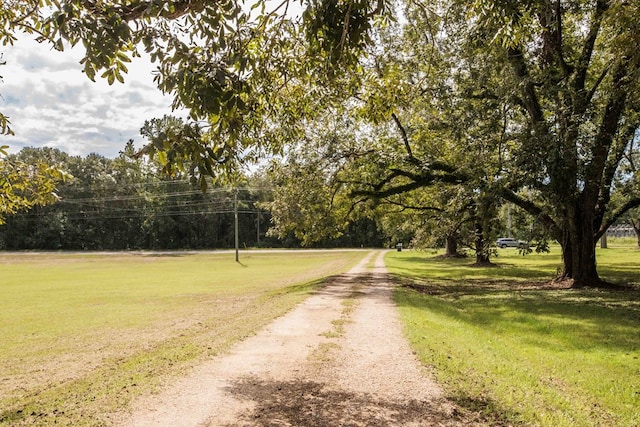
{"points": [[508, 242]]}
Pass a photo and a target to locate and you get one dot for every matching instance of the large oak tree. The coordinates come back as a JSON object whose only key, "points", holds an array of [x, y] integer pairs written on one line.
{"points": [[571, 72]]}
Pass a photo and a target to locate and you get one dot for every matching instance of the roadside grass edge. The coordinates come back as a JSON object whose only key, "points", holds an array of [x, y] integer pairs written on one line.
{"points": [[520, 353]]}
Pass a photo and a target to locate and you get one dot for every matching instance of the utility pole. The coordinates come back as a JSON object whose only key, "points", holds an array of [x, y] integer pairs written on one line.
{"points": [[258, 227], [235, 225]]}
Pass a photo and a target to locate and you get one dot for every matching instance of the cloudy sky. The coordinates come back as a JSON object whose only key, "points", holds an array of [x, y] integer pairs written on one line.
{"points": [[50, 102]]}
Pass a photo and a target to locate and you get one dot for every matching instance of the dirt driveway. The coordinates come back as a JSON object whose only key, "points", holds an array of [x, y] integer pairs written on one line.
{"points": [[338, 359]]}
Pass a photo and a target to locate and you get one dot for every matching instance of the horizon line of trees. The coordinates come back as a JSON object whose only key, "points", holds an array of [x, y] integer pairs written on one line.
{"points": [[127, 203]]}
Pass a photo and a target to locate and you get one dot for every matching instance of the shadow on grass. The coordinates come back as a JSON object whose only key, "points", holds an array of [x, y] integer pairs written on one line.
{"points": [[163, 254], [540, 314], [621, 274], [456, 268], [311, 404]]}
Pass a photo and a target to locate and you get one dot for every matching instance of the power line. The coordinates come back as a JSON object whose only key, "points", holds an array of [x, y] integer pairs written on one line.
{"points": [[76, 216], [150, 205], [117, 198]]}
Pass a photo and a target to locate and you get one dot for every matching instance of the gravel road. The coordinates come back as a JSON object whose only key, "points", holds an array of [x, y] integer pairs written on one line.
{"points": [[337, 359]]}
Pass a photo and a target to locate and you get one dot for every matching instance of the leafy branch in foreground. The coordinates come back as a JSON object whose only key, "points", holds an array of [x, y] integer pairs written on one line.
{"points": [[23, 185]]}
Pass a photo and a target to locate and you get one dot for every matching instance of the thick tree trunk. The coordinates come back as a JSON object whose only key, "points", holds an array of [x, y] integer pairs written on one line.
{"points": [[451, 246], [482, 259], [603, 242], [482, 255], [580, 264], [635, 223], [579, 252]]}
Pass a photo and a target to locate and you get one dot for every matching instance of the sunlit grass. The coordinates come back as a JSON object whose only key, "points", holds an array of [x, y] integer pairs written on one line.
{"points": [[82, 334], [527, 354]]}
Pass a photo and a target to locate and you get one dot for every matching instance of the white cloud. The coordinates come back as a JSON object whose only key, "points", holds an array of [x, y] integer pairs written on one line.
{"points": [[50, 102]]}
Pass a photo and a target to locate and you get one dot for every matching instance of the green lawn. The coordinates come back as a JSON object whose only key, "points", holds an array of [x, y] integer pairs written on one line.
{"points": [[501, 342], [83, 334]]}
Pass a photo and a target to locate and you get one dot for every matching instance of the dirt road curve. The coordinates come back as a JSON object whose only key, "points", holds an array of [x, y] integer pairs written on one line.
{"points": [[338, 359]]}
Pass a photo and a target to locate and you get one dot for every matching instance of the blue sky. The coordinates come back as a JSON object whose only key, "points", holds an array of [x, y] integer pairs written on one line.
{"points": [[50, 102]]}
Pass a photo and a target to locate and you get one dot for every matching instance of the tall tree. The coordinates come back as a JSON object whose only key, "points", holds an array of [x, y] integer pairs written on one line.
{"points": [[569, 74], [398, 138], [564, 75]]}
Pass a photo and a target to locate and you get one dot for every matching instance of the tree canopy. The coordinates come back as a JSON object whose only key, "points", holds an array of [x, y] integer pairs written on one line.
{"points": [[534, 103]]}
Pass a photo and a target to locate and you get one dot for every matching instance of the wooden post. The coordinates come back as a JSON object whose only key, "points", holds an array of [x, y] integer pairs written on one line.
{"points": [[603, 241]]}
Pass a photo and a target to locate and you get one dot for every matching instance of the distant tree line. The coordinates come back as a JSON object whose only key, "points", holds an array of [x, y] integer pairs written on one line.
{"points": [[127, 203]]}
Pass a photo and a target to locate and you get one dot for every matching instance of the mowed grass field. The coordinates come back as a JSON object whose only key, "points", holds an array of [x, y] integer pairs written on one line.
{"points": [[82, 334], [502, 341]]}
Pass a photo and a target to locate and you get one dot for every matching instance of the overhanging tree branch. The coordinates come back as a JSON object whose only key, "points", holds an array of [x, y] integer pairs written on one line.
{"points": [[582, 67], [392, 191], [406, 206], [405, 139], [532, 209], [425, 179], [529, 96], [611, 167], [608, 128], [142, 9]]}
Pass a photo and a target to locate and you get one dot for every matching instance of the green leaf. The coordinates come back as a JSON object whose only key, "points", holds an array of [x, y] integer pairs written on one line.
{"points": [[123, 57], [162, 157]]}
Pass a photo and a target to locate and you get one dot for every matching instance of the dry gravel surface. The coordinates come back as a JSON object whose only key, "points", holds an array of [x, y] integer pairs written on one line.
{"points": [[337, 359]]}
